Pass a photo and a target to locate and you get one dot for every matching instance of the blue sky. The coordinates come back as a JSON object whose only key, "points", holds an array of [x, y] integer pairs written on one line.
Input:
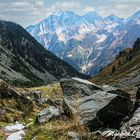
{"points": [[27, 12]]}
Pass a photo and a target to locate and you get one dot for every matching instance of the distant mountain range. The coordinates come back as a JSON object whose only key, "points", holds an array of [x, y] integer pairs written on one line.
{"points": [[23, 61], [89, 42]]}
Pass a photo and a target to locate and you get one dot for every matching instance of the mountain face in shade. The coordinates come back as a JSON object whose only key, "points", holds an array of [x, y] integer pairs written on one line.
{"points": [[24, 61], [89, 42]]}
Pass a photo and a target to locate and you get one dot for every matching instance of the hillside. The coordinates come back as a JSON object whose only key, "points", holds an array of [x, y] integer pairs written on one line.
{"points": [[23, 61], [123, 71]]}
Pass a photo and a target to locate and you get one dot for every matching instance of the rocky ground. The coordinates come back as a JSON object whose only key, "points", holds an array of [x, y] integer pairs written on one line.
{"points": [[74, 109]]}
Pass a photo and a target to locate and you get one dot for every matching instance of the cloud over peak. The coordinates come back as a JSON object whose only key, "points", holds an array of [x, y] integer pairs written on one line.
{"points": [[28, 12]]}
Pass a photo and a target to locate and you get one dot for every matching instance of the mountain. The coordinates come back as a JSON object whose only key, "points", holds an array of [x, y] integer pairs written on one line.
{"points": [[123, 72], [23, 61], [134, 19], [94, 18], [113, 19], [89, 42]]}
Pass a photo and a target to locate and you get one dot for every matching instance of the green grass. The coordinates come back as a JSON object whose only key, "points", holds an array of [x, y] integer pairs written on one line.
{"points": [[56, 129], [49, 91]]}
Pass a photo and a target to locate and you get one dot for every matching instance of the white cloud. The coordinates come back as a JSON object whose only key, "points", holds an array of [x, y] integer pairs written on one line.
{"points": [[63, 6], [20, 4], [31, 12], [121, 8], [73, 5], [39, 3], [28, 12], [88, 9], [22, 11]]}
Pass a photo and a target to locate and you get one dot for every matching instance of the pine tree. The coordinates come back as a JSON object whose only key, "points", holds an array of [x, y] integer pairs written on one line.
{"points": [[113, 69]]}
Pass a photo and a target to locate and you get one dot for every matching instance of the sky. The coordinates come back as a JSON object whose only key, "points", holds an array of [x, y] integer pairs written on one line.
{"points": [[30, 12]]}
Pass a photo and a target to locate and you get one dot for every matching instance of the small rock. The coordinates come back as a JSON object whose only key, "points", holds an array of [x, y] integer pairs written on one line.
{"points": [[47, 114], [138, 135], [109, 133], [2, 112], [73, 135], [36, 95]]}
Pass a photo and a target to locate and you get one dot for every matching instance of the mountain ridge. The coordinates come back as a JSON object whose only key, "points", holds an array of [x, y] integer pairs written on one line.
{"points": [[25, 61], [123, 72], [82, 41]]}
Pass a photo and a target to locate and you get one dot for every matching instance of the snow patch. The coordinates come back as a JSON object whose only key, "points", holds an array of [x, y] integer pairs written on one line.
{"points": [[61, 35], [15, 131], [15, 127], [138, 21], [70, 55], [79, 37], [16, 135], [101, 38]]}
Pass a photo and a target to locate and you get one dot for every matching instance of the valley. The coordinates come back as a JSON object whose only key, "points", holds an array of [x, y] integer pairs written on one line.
{"points": [[70, 76]]}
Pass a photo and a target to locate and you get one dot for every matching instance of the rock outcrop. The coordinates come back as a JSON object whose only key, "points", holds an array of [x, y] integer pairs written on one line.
{"points": [[4, 90], [13, 102], [132, 127], [94, 106], [129, 130]]}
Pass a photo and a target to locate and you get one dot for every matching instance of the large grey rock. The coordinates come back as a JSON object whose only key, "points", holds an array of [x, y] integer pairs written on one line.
{"points": [[94, 106], [47, 114], [129, 130]]}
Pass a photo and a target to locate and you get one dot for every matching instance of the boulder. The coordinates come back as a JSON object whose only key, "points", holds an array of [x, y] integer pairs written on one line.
{"points": [[48, 114], [94, 106], [36, 95], [21, 102], [44, 101]]}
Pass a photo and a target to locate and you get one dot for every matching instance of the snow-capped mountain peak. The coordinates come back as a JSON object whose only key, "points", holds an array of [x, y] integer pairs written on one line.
{"points": [[87, 42], [136, 15], [61, 12], [134, 19], [113, 19], [92, 17]]}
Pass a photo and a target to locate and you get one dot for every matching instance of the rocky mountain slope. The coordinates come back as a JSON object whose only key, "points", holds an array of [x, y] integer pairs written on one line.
{"points": [[124, 71], [24, 61], [87, 42]]}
